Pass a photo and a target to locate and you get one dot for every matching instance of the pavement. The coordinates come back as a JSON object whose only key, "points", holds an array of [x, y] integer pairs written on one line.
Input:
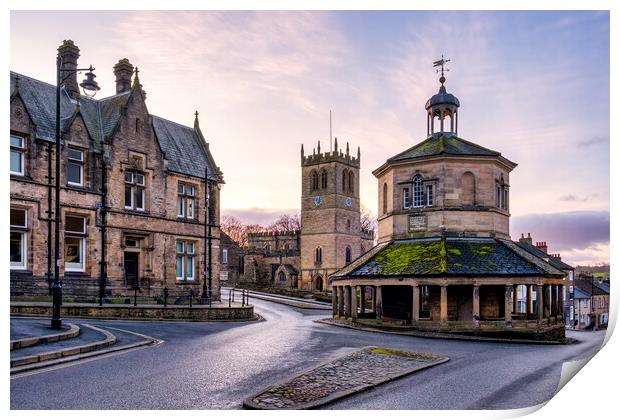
{"points": [[210, 365]]}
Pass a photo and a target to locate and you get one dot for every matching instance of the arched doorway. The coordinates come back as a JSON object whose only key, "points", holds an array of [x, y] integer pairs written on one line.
{"points": [[318, 283]]}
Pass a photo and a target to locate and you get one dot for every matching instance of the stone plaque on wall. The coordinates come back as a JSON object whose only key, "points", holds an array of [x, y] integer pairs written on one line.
{"points": [[417, 222]]}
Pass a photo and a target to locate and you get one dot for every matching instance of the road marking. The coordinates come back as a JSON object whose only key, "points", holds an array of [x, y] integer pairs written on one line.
{"points": [[153, 342]]}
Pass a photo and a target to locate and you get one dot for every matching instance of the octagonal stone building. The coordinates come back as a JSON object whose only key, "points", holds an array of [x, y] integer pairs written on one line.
{"points": [[444, 259]]}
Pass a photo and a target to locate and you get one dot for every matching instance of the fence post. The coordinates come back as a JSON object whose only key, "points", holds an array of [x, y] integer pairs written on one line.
{"points": [[191, 295], [135, 296], [165, 297], [211, 297], [229, 294], [247, 297]]}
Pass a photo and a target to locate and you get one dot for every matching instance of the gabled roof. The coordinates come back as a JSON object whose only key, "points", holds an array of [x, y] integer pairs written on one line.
{"points": [[554, 261], [184, 147], [448, 257], [443, 144]]}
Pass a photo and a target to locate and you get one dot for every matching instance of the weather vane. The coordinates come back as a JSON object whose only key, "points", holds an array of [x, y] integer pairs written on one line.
{"points": [[440, 63]]}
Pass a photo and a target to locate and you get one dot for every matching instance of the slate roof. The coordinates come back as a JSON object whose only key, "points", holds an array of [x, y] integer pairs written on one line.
{"points": [[443, 144], [581, 294], [183, 147], [554, 261], [448, 257], [586, 285]]}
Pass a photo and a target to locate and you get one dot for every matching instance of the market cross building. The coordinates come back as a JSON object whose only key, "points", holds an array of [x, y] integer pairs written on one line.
{"points": [[444, 259], [133, 191]]}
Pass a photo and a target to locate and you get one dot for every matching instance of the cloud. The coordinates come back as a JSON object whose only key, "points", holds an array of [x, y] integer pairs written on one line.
{"points": [[263, 217], [575, 198], [568, 232], [593, 141]]}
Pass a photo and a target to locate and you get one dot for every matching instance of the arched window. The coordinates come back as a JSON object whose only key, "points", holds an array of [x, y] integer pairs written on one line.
{"points": [[281, 277], [344, 180], [347, 255], [324, 179], [348, 225], [318, 254], [385, 206], [468, 189], [315, 180], [418, 191], [351, 182]]}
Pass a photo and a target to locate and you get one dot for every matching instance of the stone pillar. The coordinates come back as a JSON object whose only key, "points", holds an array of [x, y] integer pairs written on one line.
{"points": [[539, 302], [379, 304], [528, 300], [334, 301], [443, 308], [374, 299], [561, 301], [515, 298], [415, 307], [340, 300], [362, 300], [353, 302], [475, 312], [546, 299], [347, 301], [508, 305]]}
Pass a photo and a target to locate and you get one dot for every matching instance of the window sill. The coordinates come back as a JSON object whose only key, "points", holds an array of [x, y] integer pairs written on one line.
{"points": [[23, 270], [76, 274]]}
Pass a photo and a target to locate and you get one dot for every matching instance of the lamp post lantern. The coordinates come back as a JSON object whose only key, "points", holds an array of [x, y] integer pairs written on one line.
{"points": [[90, 87]]}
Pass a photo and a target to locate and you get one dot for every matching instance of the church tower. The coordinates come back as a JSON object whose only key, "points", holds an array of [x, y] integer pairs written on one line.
{"points": [[331, 235]]}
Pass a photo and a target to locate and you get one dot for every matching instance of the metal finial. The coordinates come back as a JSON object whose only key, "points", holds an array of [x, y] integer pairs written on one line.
{"points": [[440, 63]]}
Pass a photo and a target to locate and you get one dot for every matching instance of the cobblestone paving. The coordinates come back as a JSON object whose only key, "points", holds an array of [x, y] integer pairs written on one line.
{"points": [[354, 372]]}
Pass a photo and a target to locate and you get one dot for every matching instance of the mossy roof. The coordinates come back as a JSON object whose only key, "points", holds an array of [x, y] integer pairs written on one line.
{"points": [[443, 144], [445, 257]]}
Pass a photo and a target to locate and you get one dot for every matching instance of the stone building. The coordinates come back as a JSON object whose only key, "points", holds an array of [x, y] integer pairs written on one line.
{"points": [[272, 258], [132, 190], [231, 260], [591, 302], [444, 259]]}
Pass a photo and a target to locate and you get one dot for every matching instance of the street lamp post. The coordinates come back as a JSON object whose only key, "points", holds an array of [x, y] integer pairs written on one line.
{"points": [[207, 260], [89, 85]]}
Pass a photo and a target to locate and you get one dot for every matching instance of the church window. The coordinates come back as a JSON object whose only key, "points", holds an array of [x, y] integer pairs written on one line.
{"points": [[347, 255], [385, 197], [429, 195], [418, 193], [351, 182], [315, 180], [324, 179], [344, 180], [406, 198], [348, 225], [318, 255]]}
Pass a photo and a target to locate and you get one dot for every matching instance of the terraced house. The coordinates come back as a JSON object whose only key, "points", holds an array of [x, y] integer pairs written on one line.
{"points": [[133, 191], [444, 259]]}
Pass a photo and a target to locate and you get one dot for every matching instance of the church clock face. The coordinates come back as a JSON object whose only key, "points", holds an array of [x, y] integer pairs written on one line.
{"points": [[348, 202], [318, 200]]}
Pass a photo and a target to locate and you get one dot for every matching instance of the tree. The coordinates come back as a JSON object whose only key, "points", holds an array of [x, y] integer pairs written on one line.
{"points": [[286, 222], [368, 220], [237, 231]]}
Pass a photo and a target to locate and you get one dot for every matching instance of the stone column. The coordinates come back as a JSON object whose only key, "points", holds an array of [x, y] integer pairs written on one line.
{"points": [[415, 307], [528, 300], [546, 299], [379, 304], [340, 300], [508, 305], [353, 302], [443, 308], [362, 299], [539, 302], [334, 301], [347, 301], [475, 312], [561, 301], [515, 298], [374, 299], [554, 301]]}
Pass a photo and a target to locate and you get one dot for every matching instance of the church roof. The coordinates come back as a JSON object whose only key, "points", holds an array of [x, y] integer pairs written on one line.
{"points": [[183, 146], [443, 144], [448, 257]]}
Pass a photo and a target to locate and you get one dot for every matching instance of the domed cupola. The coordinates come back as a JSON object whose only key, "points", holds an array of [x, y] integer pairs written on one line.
{"points": [[441, 106]]}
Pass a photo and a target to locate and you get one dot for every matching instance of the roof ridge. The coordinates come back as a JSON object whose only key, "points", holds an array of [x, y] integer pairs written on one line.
{"points": [[476, 145], [173, 122]]}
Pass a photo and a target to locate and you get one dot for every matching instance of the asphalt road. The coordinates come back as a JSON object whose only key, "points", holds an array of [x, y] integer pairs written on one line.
{"points": [[217, 365]]}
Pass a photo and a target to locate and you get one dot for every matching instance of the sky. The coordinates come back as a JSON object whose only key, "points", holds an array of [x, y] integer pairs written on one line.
{"points": [[533, 85]]}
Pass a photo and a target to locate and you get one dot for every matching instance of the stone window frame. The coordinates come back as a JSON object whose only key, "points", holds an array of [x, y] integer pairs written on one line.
{"points": [[406, 198], [135, 186], [186, 195], [82, 237], [22, 230], [348, 257], [344, 180], [502, 194], [224, 255], [318, 255], [417, 196], [429, 194], [78, 162], [314, 177], [324, 179], [385, 198], [351, 182], [21, 151], [185, 253]]}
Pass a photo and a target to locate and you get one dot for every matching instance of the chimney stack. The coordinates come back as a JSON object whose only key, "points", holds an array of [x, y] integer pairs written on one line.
{"points": [[123, 71], [542, 246], [525, 240], [69, 54]]}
